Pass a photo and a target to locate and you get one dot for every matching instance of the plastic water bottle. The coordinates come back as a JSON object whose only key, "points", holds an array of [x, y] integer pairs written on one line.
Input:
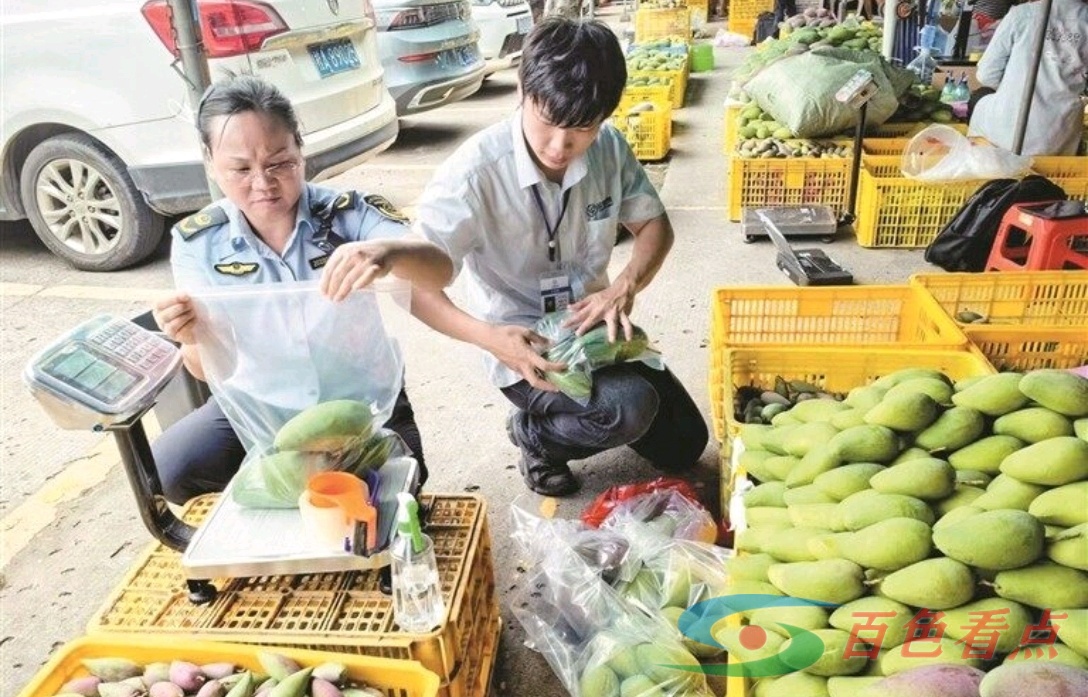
{"points": [[963, 92], [948, 92], [417, 595]]}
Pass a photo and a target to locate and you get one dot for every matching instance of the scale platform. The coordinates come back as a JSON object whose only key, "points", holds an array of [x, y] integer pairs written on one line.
{"points": [[791, 221], [234, 541]]}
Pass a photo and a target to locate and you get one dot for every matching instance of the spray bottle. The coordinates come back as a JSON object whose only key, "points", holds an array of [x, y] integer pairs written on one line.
{"points": [[417, 595]]}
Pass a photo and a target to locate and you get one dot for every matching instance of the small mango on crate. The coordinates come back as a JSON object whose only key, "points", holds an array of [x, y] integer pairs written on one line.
{"points": [[284, 677], [923, 501], [753, 405], [922, 103], [767, 148]]}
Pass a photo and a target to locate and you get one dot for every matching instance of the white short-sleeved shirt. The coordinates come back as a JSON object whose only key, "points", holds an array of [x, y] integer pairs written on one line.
{"points": [[480, 208]]}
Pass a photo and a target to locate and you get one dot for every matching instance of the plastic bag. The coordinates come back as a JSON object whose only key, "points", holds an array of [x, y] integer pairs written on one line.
{"points": [[728, 39], [595, 641], [584, 354], [631, 499], [940, 153], [277, 479], [808, 108], [271, 352]]}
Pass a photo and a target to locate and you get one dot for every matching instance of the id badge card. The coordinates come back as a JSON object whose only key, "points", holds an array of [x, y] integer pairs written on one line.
{"points": [[556, 293]]}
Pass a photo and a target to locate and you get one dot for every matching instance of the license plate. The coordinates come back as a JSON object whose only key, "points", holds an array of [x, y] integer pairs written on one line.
{"points": [[460, 57], [525, 24], [334, 57]]}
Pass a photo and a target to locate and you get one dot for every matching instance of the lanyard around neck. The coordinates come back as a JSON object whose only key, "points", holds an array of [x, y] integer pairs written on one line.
{"points": [[552, 231]]}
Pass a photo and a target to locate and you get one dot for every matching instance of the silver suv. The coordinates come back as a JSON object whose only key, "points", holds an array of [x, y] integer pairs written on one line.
{"points": [[97, 139]]}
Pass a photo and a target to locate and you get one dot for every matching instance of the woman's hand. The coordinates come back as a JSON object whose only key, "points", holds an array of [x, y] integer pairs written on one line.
{"points": [[517, 348], [611, 306], [176, 317], [356, 265]]}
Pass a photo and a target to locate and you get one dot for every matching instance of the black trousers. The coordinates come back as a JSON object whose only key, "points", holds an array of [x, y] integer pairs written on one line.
{"points": [[200, 453]]}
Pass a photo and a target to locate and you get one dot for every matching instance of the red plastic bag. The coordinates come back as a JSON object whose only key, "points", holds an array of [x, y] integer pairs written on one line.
{"points": [[603, 505]]}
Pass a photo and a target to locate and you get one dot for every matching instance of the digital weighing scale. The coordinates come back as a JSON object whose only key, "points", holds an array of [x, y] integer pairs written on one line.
{"points": [[805, 267], [104, 375]]}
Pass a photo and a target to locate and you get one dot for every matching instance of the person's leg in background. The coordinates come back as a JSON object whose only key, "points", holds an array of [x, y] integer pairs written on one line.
{"points": [[403, 422], [197, 455]]}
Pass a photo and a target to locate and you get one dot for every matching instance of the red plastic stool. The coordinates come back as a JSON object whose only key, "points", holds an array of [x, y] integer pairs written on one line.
{"points": [[1041, 236]]}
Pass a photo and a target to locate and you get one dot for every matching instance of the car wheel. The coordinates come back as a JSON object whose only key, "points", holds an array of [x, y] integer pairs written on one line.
{"points": [[83, 205]]}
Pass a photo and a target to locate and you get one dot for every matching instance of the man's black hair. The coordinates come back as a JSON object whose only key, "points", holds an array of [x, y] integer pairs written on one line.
{"points": [[574, 71], [239, 94]]}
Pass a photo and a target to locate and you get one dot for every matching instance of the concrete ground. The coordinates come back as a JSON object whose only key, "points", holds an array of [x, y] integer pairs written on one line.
{"points": [[69, 529]]}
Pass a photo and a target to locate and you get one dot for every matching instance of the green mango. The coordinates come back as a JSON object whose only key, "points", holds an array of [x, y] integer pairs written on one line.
{"points": [[865, 398], [1059, 390], [952, 430], [911, 454], [990, 613], [889, 544], [817, 410], [846, 480], [791, 544], [993, 395], [924, 479], [808, 435], [956, 515], [892, 379], [1033, 425], [1006, 491], [767, 517], [806, 494], [806, 617], [822, 458], [868, 443], [1002, 539], [1066, 505], [829, 581], [749, 567], [767, 494], [599, 681], [815, 515], [862, 510], [1044, 585], [904, 411], [985, 455], [1072, 628], [963, 496], [1052, 462], [1070, 547], [937, 390], [326, 427], [871, 613], [925, 652], [1055, 653], [849, 418], [798, 684], [935, 584], [833, 660]]}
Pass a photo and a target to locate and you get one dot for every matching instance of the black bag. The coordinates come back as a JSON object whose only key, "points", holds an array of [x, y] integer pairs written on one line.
{"points": [[964, 243], [766, 27]]}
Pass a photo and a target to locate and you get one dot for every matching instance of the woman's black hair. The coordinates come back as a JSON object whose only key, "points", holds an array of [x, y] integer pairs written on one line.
{"points": [[574, 71], [239, 94]]}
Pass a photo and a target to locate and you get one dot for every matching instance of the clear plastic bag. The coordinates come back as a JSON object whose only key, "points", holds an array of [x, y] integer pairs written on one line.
{"points": [[941, 153], [584, 354], [272, 352]]}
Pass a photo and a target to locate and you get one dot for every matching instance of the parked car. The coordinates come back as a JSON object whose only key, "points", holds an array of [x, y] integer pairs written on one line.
{"points": [[429, 51], [98, 142], [503, 25]]}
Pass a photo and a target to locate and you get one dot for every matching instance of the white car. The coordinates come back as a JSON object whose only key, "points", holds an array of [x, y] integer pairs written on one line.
{"points": [[98, 142], [503, 25]]}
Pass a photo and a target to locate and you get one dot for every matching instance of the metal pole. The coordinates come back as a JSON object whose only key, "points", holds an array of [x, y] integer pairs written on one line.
{"points": [[194, 63], [887, 44], [1029, 88]]}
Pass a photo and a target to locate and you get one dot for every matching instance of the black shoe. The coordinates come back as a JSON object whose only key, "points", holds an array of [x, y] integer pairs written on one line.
{"points": [[541, 476], [547, 478]]}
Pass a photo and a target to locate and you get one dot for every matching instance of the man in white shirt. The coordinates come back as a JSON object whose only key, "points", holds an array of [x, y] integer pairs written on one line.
{"points": [[530, 208]]}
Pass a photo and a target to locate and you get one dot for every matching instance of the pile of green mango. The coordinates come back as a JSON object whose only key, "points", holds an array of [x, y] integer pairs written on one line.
{"points": [[922, 103], [642, 57], [855, 35], [919, 492], [768, 148]]}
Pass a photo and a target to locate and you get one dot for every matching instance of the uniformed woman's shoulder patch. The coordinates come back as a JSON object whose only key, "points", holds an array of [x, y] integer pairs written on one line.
{"points": [[196, 223], [383, 206]]}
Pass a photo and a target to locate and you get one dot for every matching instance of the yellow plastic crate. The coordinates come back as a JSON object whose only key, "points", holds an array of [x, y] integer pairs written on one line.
{"points": [[838, 369], [677, 83], [894, 211], [658, 95], [757, 182], [1031, 347], [649, 133], [662, 24], [1070, 173], [394, 678], [1057, 298], [731, 127], [782, 316], [884, 146], [742, 15], [339, 612], [700, 12]]}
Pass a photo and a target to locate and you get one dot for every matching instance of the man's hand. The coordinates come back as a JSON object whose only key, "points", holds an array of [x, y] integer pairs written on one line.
{"points": [[515, 347], [356, 265], [176, 316], [611, 306]]}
